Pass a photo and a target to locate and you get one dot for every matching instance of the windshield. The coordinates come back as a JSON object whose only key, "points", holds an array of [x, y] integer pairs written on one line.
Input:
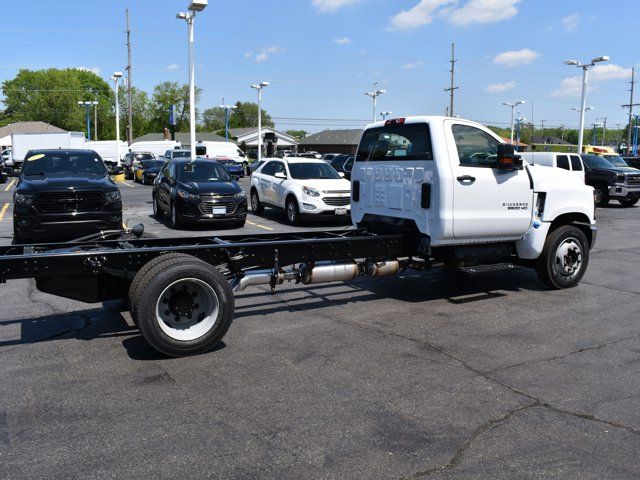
{"points": [[593, 161], [54, 163], [202, 172], [178, 154], [395, 142], [152, 164], [310, 171], [144, 156], [616, 160]]}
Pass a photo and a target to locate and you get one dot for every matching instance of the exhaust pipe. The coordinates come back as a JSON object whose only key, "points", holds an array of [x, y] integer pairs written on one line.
{"points": [[325, 272], [259, 277], [387, 268]]}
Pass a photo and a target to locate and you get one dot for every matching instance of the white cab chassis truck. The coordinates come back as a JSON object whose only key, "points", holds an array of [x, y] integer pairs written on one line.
{"points": [[426, 192], [474, 200]]}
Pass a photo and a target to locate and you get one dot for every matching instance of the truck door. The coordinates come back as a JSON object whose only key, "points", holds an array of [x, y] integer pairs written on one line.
{"points": [[488, 203]]}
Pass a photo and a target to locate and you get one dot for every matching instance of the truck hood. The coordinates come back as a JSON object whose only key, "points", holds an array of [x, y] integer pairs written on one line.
{"points": [[67, 182], [204, 188], [629, 170]]}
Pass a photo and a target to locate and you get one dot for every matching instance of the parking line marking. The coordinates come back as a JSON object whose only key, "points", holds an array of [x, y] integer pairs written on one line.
{"points": [[3, 211], [13, 180], [128, 184], [259, 226]]}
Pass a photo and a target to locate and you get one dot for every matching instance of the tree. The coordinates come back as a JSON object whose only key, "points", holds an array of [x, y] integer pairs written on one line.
{"points": [[164, 96], [298, 134], [246, 115], [213, 119], [140, 106], [52, 96]]}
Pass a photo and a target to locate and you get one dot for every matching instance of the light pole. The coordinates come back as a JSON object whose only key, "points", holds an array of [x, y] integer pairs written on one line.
{"points": [[87, 114], [228, 109], [519, 122], [374, 96], [385, 115], [513, 106], [259, 87], [595, 130], [116, 81], [583, 102], [195, 6]]}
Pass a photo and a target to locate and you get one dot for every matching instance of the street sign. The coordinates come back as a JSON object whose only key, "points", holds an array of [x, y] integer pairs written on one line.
{"points": [[172, 115]]}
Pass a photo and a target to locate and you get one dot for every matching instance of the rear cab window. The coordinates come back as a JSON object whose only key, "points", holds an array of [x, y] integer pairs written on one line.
{"points": [[402, 142]]}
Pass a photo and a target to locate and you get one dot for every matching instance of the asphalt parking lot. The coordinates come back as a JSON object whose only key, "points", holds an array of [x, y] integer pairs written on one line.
{"points": [[427, 376]]}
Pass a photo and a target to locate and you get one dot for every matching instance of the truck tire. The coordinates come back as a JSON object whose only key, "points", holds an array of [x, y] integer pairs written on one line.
{"points": [[184, 306], [256, 206], [628, 203], [601, 195], [564, 258]]}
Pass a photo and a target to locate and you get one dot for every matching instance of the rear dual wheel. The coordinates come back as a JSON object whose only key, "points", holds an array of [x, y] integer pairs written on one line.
{"points": [[182, 305]]}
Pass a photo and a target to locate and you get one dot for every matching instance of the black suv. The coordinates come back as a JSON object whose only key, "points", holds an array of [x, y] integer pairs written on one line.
{"points": [[198, 191], [612, 179], [64, 194]]}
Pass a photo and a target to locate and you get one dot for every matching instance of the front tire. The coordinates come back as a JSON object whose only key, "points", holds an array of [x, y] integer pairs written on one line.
{"points": [[628, 203], [184, 306], [292, 211], [601, 195], [175, 221], [256, 205], [564, 259], [157, 210]]}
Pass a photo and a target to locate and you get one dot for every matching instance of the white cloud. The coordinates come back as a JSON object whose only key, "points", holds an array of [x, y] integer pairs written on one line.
{"points": [[332, 5], [419, 15], [473, 11], [514, 58], [264, 53], [95, 70], [173, 66], [412, 65], [571, 22], [500, 87], [484, 11], [343, 41], [572, 86]]}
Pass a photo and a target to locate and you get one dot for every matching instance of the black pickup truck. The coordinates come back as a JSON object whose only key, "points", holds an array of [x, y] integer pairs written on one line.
{"points": [[612, 179], [64, 194]]}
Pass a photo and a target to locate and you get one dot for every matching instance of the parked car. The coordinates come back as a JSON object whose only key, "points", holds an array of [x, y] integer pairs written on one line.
{"points": [[611, 182], [197, 191], [3, 174], [256, 165], [221, 149], [236, 170], [565, 161], [171, 154], [157, 147], [328, 157], [64, 194], [148, 170], [131, 161], [301, 187], [340, 162]]}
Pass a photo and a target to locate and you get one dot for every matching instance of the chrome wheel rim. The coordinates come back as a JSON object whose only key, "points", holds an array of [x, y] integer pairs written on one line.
{"points": [[598, 195], [254, 201], [291, 212], [569, 258], [187, 309]]}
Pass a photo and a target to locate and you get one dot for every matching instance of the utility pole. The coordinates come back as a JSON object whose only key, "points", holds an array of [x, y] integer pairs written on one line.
{"points": [[129, 84], [452, 88], [562, 133], [95, 106], [542, 128], [604, 128], [631, 105]]}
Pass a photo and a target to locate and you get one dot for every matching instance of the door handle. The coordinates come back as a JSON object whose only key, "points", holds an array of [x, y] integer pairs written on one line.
{"points": [[466, 178]]}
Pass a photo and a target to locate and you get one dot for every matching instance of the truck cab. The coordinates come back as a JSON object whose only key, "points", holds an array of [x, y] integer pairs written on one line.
{"points": [[466, 192]]}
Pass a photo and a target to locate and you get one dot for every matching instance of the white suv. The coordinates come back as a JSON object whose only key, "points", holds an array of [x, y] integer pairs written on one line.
{"points": [[300, 186]]}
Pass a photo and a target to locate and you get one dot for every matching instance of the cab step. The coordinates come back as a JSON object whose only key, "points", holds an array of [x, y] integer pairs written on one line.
{"points": [[498, 267]]}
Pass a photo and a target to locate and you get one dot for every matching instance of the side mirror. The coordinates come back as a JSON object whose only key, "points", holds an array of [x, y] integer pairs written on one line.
{"points": [[508, 160], [280, 175]]}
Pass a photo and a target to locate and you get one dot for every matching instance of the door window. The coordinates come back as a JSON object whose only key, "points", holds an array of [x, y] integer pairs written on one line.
{"points": [[563, 162], [476, 148], [269, 169], [172, 171], [576, 163]]}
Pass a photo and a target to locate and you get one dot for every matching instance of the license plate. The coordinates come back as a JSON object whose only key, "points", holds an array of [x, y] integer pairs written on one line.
{"points": [[219, 210], [341, 211]]}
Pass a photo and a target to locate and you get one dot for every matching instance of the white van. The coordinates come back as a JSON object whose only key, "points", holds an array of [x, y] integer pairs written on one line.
{"points": [[221, 149], [565, 161], [108, 150], [158, 148]]}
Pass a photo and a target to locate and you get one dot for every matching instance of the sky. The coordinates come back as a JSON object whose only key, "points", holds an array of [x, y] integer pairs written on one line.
{"points": [[320, 56]]}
